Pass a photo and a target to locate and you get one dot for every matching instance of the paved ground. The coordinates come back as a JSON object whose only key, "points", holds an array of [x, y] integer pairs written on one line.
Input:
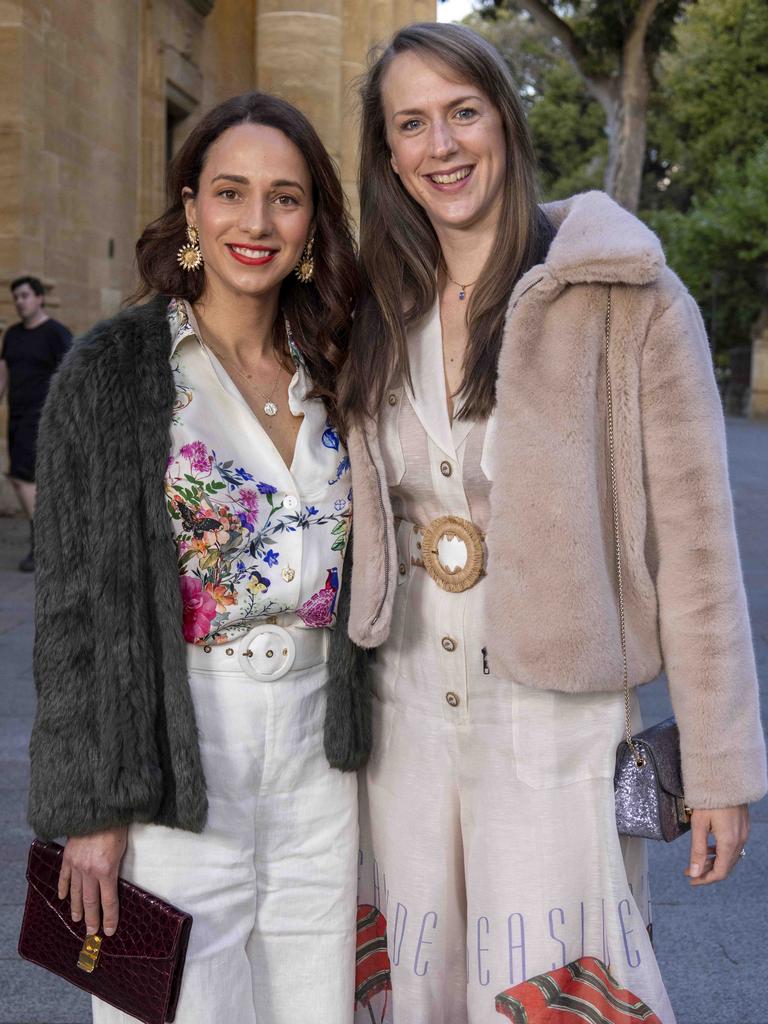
{"points": [[711, 942]]}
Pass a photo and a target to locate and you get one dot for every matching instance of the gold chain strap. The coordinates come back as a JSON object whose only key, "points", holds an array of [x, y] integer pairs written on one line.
{"points": [[639, 759]]}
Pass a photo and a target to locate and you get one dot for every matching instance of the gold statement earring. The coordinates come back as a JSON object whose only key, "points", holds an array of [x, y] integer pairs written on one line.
{"points": [[189, 255], [305, 268]]}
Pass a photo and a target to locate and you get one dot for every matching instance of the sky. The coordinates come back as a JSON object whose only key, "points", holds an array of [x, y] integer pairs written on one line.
{"points": [[453, 10]]}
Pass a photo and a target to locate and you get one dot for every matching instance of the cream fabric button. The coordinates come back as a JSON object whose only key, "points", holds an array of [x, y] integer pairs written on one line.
{"points": [[446, 468], [291, 502], [452, 698], [449, 644]]}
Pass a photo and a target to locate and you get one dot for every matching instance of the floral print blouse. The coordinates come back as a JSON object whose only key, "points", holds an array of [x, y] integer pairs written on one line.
{"points": [[255, 538]]}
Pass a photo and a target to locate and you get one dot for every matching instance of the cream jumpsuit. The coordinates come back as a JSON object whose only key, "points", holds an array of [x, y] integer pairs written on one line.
{"points": [[488, 833]]}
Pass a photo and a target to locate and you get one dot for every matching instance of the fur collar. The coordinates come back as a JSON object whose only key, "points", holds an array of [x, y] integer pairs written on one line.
{"points": [[599, 241]]}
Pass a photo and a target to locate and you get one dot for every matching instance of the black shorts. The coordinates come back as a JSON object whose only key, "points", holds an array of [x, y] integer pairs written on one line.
{"points": [[22, 446]]}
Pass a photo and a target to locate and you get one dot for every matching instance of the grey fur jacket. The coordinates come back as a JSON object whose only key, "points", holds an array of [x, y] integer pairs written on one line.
{"points": [[114, 739]]}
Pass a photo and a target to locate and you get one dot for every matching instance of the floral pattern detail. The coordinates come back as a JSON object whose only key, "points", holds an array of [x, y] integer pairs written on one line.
{"points": [[341, 469], [198, 456], [331, 437], [231, 522], [180, 327], [221, 538], [199, 608]]}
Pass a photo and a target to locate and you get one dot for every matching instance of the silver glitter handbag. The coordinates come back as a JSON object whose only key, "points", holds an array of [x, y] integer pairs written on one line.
{"points": [[648, 782]]}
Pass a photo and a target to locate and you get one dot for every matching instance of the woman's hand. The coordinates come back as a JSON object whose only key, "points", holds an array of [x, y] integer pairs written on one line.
{"points": [[729, 827], [89, 874]]}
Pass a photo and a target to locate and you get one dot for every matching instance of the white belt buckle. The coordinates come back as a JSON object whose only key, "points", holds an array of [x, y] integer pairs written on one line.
{"points": [[267, 653]]}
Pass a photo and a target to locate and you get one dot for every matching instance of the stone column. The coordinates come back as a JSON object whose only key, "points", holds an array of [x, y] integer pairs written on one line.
{"points": [[366, 26], [423, 10], [407, 11], [299, 57], [355, 49], [381, 21]]}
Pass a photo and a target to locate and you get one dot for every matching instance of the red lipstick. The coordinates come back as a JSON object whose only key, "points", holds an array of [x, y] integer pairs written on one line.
{"points": [[250, 261]]}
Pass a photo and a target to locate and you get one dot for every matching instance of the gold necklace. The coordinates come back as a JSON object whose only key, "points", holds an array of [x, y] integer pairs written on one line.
{"points": [[462, 287], [270, 407]]}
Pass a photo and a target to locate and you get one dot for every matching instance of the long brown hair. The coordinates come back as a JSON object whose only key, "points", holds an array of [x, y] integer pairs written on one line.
{"points": [[320, 312], [399, 249]]}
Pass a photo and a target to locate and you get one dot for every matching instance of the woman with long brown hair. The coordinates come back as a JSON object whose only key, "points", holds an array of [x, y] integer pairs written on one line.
{"points": [[193, 518], [488, 335]]}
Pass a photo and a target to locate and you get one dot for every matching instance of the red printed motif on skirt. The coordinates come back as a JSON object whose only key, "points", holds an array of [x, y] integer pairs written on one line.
{"points": [[372, 967], [582, 992]]}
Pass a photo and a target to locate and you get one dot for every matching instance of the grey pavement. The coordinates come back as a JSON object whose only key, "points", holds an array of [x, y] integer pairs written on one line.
{"points": [[712, 943]]}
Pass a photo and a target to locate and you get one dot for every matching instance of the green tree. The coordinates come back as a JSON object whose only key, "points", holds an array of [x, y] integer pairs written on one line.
{"points": [[720, 246], [567, 124], [614, 46], [711, 99], [708, 193]]}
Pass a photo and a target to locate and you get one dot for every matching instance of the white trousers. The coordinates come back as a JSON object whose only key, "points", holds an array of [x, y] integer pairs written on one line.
{"points": [[271, 882]]}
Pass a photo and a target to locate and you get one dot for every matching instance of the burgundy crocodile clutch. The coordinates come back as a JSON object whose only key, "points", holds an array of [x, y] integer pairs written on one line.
{"points": [[138, 969]]}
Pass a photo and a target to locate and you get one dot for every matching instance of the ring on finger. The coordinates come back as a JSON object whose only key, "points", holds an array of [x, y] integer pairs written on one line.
{"points": [[743, 852]]}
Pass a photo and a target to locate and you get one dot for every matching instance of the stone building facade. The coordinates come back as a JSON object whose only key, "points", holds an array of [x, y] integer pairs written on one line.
{"points": [[95, 95]]}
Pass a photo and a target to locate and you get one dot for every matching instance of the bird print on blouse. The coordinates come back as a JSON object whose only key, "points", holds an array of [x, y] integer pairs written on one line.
{"points": [[318, 609]]}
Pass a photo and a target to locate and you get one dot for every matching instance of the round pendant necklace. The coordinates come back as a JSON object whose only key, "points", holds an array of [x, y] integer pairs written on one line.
{"points": [[270, 406]]}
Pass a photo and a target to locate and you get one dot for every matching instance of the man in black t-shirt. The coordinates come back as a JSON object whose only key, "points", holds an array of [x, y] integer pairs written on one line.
{"points": [[31, 352]]}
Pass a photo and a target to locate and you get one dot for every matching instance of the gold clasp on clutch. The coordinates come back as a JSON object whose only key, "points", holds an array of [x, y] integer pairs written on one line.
{"points": [[684, 812], [89, 954]]}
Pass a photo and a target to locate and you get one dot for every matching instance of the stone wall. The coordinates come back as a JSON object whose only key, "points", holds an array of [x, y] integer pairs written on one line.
{"points": [[97, 93]]}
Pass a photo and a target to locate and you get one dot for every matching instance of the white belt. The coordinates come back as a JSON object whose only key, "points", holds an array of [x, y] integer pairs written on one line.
{"points": [[266, 653]]}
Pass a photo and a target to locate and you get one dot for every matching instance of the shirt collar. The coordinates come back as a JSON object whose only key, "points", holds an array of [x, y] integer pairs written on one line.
{"points": [[182, 322], [183, 325]]}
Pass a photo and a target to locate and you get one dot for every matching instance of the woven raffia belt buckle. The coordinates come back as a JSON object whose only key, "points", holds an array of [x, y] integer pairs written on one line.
{"points": [[452, 552]]}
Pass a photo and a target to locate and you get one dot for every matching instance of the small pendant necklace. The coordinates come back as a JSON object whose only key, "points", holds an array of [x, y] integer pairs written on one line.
{"points": [[270, 406], [462, 287]]}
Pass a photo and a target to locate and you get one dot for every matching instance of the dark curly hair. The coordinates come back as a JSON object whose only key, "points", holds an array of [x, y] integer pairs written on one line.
{"points": [[320, 313]]}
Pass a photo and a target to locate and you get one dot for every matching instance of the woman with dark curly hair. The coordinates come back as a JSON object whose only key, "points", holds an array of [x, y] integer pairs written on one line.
{"points": [[193, 517]]}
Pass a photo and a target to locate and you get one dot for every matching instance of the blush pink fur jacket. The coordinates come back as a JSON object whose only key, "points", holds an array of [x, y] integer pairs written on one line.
{"points": [[551, 597]]}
